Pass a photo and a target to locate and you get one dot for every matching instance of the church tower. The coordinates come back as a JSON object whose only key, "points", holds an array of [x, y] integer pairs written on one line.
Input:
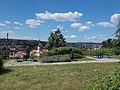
{"points": [[39, 48]]}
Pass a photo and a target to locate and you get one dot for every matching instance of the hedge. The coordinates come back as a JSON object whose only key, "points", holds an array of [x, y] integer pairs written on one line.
{"points": [[1, 63], [106, 51], [62, 51], [57, 58]]}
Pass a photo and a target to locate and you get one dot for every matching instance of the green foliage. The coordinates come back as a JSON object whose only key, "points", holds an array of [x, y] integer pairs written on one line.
{"points": [[110, 82], [53, 77], [56, 39], [105, 51], [117, 34], [108, 43], [56, 58], [4, 54], [1, 63], [61, 51], [112, 43], [117, 51], [77, 56]]}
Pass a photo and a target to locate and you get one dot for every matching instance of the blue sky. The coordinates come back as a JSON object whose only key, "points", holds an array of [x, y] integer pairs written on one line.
{"points": [[79, 20]]}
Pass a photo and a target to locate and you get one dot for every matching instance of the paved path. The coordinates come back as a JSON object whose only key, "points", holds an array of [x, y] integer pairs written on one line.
{"points": [[30, 63]]}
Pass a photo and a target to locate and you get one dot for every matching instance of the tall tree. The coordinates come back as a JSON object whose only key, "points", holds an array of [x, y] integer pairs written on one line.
{"points": [[55, 39], [117, 34], [107, 43]]}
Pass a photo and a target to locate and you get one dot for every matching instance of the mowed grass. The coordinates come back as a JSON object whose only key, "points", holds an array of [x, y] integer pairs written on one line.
{"points": [[53, 77], [116, 57]]}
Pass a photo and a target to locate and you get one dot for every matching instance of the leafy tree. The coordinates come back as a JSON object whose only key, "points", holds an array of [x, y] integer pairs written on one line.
{"points": [[107, 43], [115, 42], [117, 34], [55, 40]]}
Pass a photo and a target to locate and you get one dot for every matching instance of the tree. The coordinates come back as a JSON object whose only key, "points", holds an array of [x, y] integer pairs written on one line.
{"points": [[117, 34], [55, 40], [107, 43]]}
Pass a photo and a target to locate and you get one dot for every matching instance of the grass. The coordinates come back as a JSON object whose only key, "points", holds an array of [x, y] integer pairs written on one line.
{"points": [[53, 77], [84, 59], [116, 57], [4, 60]]}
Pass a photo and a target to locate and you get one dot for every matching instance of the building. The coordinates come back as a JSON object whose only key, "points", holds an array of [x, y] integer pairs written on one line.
{"points": [[17, 44]]}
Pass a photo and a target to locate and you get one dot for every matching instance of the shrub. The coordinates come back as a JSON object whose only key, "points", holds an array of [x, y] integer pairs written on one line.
{"points": [[62, 51], [1, 63], [105, 51], [116, 51], [110, 82], [4, 54], [56, 58], [77, 56]]}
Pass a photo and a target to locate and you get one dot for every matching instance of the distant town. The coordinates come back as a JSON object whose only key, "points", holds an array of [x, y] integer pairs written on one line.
{"points": [[19, 44]]}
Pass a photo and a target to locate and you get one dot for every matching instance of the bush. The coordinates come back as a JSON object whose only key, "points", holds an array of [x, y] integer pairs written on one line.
{"points": [[56, 58], [4, 54], [105, 51], [1, 63], [110, 82], [77, 56], [116, 51], [61, 51]]}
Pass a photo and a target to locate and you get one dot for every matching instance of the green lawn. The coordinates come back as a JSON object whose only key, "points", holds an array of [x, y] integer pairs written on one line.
{"points": [[116, 57], [53, 77], [85, 59]]}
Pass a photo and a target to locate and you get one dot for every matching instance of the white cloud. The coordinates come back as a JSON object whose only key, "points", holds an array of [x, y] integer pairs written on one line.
{"points": [[72, 36], [53, 30], [76, 25], [7, 22], [3, 34], [2, 24], [33, 23], [60, 27], [13, 35], [106, 24], [97, 38], [25, 37], [89, 23], [82, 27], [70, 16], [114, 18], [16, 28], [18, 23], [66, 36], [66, 31]]}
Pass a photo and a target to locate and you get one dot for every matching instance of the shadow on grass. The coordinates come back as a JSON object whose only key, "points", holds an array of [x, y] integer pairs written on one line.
{"points": [[5, 71]]}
